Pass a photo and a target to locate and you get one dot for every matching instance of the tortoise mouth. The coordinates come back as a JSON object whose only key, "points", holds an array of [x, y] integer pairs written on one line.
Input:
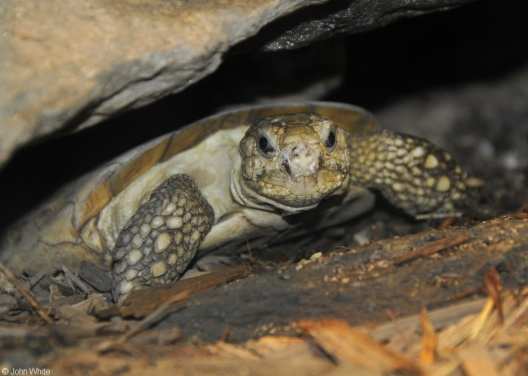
{"points": [[284, 191]]}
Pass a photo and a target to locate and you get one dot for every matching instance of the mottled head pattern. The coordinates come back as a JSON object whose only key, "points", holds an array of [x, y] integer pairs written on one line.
{"points": [[294, 160]]}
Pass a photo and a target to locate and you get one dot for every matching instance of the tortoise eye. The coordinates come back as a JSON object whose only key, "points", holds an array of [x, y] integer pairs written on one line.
{"points": [[330, 139], [265, 145]]}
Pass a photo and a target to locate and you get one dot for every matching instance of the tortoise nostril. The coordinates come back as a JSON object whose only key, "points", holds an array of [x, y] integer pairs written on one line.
{"points": [[294, 152], [286, 166]]}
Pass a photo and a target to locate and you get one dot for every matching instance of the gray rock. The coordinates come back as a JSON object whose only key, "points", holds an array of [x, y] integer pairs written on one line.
{"points": [[333, 18], [68, 64]]}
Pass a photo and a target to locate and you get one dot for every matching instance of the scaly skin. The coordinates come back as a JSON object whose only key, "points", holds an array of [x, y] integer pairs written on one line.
{"points": [[162, 237], [296, 169], [411, 173]]}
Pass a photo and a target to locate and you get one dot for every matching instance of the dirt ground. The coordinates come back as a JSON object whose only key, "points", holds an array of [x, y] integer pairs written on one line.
{"points": [[242, 318]]}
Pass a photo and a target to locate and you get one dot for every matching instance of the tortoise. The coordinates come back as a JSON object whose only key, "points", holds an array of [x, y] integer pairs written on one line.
{"points": [[228, 179]]}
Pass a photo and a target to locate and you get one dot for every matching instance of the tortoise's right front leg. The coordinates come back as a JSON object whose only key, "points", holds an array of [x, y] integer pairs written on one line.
{"points": [[162, 237], [412, 173]]}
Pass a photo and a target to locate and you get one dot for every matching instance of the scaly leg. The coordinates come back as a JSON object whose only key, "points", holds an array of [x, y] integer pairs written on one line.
{"points": [[162, 237], [411, 173]]}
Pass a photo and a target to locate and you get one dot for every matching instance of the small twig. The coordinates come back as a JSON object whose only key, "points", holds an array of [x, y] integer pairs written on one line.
{"points": [[440, 318], [76, 280], [431, 248], [481, 319], [493, 286], [468, 292], [37, 278], [156, 316], [141, 303], [429, 345], [25, 293]]}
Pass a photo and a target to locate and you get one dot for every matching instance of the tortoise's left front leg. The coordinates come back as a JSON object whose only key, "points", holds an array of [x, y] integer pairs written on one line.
{"points": [[162, 237], [412, 173]]}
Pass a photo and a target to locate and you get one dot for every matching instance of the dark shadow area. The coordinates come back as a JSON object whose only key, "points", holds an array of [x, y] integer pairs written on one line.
{"points": [[479, 42], [476, 43]]}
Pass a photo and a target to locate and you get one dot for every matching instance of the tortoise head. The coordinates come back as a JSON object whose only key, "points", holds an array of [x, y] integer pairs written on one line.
{"points": [[294, 161]]}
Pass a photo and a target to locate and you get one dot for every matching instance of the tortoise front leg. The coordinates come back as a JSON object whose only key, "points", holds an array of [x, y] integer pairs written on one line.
{"points": [[162, 237], [411, 173]]}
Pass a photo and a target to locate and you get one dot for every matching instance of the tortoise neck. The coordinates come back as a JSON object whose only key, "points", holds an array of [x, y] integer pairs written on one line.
{"points": [[239, 192], [248, 198]]}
